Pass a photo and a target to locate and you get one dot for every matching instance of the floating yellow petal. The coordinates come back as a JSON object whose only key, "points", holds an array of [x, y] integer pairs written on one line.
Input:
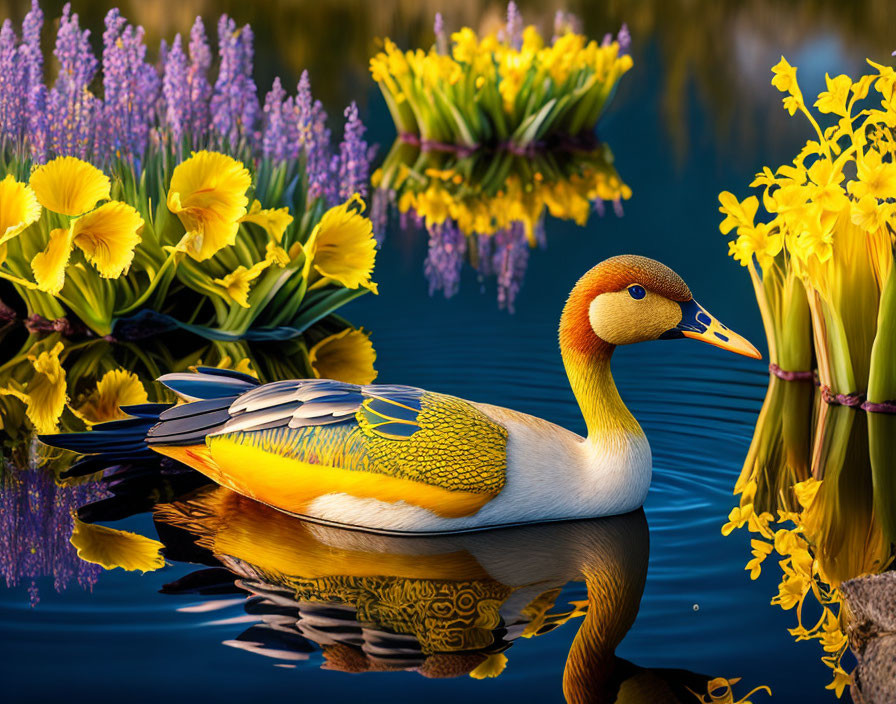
{"points": [[69, 186], [208, 195], [117, 388], [108, 236], [342, 247], [18, 208], [111, 548], [273, 220], [49, 266], [346, 356]]}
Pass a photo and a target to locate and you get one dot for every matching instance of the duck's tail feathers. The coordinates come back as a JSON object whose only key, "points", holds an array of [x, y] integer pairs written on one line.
{"points": [[208, 383], [112, 443]]}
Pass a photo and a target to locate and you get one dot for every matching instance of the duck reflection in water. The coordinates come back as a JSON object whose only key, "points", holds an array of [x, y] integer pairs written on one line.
{"points": [[439, 606]]}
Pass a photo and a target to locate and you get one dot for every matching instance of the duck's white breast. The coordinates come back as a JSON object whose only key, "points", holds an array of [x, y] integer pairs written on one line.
{"points": [[552, 474]]}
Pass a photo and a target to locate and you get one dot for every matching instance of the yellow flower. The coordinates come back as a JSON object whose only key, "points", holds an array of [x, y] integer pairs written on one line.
{"points": [[841, 679], [759, 240], [208, 195], [45, 395], [785, 78], [737, 213], [117, 388], [69, 186], [107, 236], [833, 100], [346, 356], [237, 283], [870, 215], [761, 550], [875, 177], [806, 490], [737, 518], [18, 208], [273, 220], [341, 246], [827, 191]]}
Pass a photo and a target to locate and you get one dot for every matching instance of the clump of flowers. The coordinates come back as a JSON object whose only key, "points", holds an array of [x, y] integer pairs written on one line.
{"points": [[509, 88], [816, 492], [821, 258], [171, 195], [489, 208]]}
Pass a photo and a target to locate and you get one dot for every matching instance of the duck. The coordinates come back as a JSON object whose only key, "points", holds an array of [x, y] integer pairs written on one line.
{"points": [[401, 460]]}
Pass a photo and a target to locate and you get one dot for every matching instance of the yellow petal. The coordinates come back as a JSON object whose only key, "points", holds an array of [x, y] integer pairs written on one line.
{"points": [[49, 266], [117, 388], [108, 236], [208, 195], [18, 208], [346, 356], [45, 392], [491, 667], [273, 220], [69, 186], [342, 246], [113, 548]]}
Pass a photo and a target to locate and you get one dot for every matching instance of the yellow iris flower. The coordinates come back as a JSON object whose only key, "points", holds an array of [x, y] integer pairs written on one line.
{"points": [[346, 356], [69, 186], [342, 247], [107, 236], [208, 195], [19, 208]]}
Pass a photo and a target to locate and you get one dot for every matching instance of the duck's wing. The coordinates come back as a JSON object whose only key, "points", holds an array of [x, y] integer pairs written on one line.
{"points": [[378, 441]]}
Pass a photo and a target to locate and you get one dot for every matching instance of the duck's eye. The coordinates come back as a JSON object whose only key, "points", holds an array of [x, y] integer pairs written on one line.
{"points": [[637, 292]]}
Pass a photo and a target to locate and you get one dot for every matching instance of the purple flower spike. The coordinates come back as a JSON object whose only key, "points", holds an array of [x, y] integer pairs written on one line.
{"points": [[514, 30], [200, 90], [441, 35], [314, 139], [445, 258], [176, 91], [35, 90], [12, 86], [234, 103], [354, 163], [624, 38], [130, 87], [509, 261], [280, 140], [71, 106]]}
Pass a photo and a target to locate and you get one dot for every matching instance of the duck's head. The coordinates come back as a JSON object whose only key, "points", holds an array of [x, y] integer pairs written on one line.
{"points": [[627, 299]]}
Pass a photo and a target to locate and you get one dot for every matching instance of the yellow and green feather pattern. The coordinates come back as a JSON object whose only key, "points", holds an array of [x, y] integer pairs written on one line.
{"points": [[315, 429]]}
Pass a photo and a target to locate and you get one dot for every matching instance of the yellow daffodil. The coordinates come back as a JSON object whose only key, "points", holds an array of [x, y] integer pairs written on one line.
{"points": [[107, 236], [117, 388], [208, 195], [342, 247], [833, 100], [238, 282], [273, 220], [346, 356], [18, 208], [69, 186]]}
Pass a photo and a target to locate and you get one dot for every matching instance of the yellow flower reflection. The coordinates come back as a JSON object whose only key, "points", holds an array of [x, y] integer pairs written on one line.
{"points": [[107, 236], [346, 356], [18, 208], [342, 247], [44, 394], [117, 388], [208, 195], [69, 186]]}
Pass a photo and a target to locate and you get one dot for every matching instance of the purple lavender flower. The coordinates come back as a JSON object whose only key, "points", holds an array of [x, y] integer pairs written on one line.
{"points": [[445, 258], [234, 103], [176, 91], [35, 90], [130, 86], [13, 90], [314, 139], [200, 89], [71, 106], [624, 38], [279, 136], [514, 29], [441, 35], [354, 161], [381, 201]]}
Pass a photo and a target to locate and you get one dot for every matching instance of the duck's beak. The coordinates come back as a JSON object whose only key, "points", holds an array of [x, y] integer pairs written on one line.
{"points": [[698, 324]]}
